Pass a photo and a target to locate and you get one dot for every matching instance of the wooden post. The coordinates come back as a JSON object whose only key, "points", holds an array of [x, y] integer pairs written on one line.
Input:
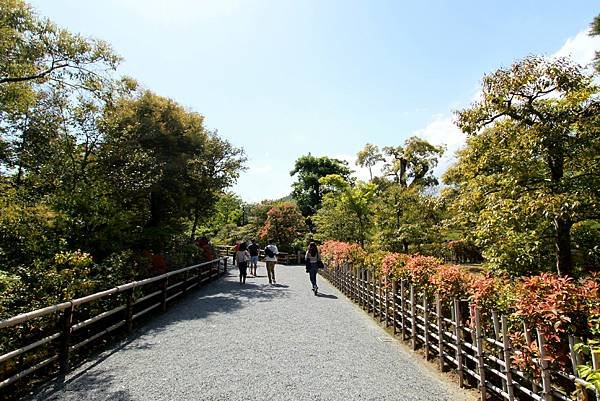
{"points": [[546, 380], [387, 309], [506, 348], [164, 290], [573, 355], [65, 342], [225, 265], [403, 309], [480, 361], [129, 310], [500, 355], [373, 292], [395, 305], [440, 327], [413, 317], [458, 334], [426, 324], [534, 387]]}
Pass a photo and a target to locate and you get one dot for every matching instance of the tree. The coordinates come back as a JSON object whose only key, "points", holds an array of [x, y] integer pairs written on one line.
{"points": [[284, 225], [369, 156], [531, 162], [309, 169], [414, 161], [342, 196], [595, 31]]}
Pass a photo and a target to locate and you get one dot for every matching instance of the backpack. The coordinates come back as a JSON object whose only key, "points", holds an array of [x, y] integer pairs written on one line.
{"points": [[269, 252]]}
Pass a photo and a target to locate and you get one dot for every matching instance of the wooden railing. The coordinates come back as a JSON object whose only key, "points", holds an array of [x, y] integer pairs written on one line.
{"points": [[282, 257], [48, 338], [461, 337]]}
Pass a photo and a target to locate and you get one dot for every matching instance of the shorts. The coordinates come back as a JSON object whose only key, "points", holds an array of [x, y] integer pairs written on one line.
{"points": [[254, 260]]}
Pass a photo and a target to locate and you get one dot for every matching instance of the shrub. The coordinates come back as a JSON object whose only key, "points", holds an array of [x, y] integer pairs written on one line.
{"points": [[451, 281]]}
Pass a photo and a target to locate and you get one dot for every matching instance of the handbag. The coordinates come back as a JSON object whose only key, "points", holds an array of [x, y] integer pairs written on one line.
{"points": [[320, 264]]}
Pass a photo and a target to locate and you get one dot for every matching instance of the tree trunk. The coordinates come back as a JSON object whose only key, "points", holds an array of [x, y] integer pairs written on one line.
{"points": [[196, 218], [564, 259], [405, 245]]}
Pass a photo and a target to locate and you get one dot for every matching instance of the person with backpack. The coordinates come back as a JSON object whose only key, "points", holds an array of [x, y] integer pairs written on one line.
{"points": [[313, 264], [253, 249], [271, 252], [242, 256]]}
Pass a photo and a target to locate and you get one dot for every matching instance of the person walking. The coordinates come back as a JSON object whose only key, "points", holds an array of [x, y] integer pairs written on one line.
{"points": [[271, 252], [253, 249], [242, 256], [313, 263]]}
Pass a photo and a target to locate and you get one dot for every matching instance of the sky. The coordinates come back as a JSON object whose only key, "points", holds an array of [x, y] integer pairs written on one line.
{"points": [[283, 78]]}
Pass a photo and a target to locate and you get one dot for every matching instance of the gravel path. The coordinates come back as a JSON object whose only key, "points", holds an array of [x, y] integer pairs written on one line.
{"points": [[259, 342]]}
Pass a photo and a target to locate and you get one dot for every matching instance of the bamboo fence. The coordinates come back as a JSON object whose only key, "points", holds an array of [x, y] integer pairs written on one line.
{"points": [[475, 344]]}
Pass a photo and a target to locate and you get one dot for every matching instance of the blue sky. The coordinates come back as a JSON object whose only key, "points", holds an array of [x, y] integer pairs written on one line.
{"points": [[282, 78]]}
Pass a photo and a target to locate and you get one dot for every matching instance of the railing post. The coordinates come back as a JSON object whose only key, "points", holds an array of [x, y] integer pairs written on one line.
{"points": [[458, 334], [438, 309], [506, 348], [403, 309], [546, 380], [225, 265], [129, 310], [373, 292], [426, 323], [394, 305], [65, 343], [534, 386], [480, 361], [413, 317], [164, 291]]}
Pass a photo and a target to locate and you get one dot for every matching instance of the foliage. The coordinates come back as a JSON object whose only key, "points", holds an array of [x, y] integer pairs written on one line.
{"points": [[421, 269], [368, 157], [451, 281], [595, 31], [344, 196], [307, 191], [529, 170], [413, 163], [284, 225], [392, 265]]}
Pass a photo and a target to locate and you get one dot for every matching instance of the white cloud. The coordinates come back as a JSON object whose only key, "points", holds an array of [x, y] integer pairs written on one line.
{"points": [[442, 131], [581, 48]]}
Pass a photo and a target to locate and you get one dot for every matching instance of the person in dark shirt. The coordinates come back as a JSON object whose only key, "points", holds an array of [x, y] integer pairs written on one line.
{"points": [[254, 250]]}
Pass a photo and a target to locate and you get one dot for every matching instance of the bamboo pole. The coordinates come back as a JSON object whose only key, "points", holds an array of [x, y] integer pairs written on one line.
{"points": [[480, 360], [458, 334], [426, 320], [534, 386], [496, 324], [403, 309], [413, 317], [506, 348], [440, 329], [395, 305], [546, 379]]}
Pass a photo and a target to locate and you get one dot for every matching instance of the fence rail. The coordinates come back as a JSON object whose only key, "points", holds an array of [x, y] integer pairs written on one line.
{"points": [[461, 337], [43, 338]]}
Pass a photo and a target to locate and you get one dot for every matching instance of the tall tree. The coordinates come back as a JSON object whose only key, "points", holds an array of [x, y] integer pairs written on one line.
{"points": [[413, 163], [307, 189], [595, 31], [532, 155], [368, 157], [345, 201]]}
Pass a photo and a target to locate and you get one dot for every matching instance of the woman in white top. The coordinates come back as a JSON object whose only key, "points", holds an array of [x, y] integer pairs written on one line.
{"points": [[242, 256], [313, 259]]}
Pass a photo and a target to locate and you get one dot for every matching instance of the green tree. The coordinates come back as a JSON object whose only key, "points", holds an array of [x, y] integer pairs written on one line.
{"points": [[531, 164], [342, 196], [368, 157], [413, 163], [307, 190], [595, 31]]}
